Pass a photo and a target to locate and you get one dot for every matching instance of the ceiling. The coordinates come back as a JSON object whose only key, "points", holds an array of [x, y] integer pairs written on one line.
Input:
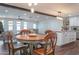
{"points": [[14, 13], [67, 9]]}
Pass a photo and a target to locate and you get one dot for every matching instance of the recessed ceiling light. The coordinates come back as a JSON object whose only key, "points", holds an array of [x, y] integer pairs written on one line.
{"points": [[35, 4], [6, 10], [29, 4]]}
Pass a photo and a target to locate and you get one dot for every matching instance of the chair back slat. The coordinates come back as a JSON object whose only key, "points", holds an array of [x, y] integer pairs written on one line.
{"points": [[25, 31], [48, 31], [9, 39], [50, 40]]}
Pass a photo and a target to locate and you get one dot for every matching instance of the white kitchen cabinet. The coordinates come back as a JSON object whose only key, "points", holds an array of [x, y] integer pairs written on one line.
{"points": [[74, 21], [65, 37]]}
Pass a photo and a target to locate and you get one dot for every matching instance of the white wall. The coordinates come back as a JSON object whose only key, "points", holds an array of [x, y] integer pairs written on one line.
{"points": [[5, 26], [52, 24]]}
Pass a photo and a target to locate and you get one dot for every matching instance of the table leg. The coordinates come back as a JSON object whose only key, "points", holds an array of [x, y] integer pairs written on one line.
{"points": [[31, 47]]}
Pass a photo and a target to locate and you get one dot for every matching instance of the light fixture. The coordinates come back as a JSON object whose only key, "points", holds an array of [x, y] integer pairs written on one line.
{"points": [[32, 10], [59, 17], [30, 4], [35, 4]]}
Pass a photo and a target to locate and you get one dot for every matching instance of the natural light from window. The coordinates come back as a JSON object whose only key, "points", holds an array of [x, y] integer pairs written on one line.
{"points": [[10, 25], [34, 26], [18, 26], [25, 25]]}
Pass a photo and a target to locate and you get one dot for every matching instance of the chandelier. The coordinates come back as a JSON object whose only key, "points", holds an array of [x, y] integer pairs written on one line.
{"points": [[59, 16], [32, 6]]}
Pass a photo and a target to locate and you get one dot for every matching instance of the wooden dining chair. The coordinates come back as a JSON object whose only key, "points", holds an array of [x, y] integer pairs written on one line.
{"points": [[25, 31], [12, 48], [49, 46], [46, 32]]}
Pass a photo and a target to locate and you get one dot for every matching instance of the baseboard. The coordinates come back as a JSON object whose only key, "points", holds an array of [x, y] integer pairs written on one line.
{"points": [[66, 44]]}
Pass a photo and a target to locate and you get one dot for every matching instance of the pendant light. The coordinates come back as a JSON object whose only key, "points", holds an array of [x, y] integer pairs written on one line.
{"points": [[32, 6], [59, 16]]}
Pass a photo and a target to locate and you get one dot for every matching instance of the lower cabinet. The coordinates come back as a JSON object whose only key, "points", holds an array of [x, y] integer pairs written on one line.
{"points": [[65, 37]]}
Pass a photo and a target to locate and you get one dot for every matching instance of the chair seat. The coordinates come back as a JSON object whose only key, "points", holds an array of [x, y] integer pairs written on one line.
{"points": [[39, 44], [19, 46], [41, 51]]}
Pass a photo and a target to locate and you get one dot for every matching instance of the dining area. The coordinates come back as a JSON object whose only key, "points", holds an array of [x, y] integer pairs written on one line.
{"points": [[32, 43], [39, 29], [25, 31]]}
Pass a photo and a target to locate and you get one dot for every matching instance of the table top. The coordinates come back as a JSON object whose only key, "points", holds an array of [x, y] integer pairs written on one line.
{"points": [[37, 37]]}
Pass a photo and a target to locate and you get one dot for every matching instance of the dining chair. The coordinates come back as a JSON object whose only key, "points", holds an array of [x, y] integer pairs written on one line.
{"points": [[49, 46], [41, 44], [25, 31], [48, 31], [12, 48]]}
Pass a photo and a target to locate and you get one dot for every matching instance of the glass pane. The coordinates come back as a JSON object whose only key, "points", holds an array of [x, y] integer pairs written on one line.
{"points": [[25, 25], [34, 26], [18, 25], [10, 25]]}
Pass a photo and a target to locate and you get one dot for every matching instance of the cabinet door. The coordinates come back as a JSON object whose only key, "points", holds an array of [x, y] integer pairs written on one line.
{"points": [[59, 39], [69, 37], [72, 36], [73, 21]]}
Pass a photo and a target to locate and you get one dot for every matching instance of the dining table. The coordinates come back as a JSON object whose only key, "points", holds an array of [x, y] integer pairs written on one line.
{"points": [[31, 38]]}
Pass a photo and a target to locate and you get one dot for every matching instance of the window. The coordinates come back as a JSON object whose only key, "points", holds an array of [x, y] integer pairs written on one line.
{"points": [[25, 25], [34, 26], [18, 25], [10, 25]]}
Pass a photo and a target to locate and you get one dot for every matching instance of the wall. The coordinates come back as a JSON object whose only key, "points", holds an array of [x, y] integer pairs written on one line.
{"points": [[52, 24], [5, 24]]}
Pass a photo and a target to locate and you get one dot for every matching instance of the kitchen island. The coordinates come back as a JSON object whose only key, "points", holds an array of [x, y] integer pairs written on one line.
{"points": [[65, 37]]}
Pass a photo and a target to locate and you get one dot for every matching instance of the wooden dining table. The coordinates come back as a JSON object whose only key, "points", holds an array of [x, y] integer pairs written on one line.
{"points": [[31, 38]]}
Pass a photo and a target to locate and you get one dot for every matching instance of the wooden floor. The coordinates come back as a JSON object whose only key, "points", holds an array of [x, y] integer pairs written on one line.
{"points": [[69, 49]]}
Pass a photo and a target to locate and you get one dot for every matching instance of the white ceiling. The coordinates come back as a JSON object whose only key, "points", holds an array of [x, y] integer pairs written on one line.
{"points": [[14, 13], [49, 8], [52, 8]]}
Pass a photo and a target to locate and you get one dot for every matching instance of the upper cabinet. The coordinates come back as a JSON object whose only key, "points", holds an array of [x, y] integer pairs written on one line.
{"points": [[74, 21]]}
